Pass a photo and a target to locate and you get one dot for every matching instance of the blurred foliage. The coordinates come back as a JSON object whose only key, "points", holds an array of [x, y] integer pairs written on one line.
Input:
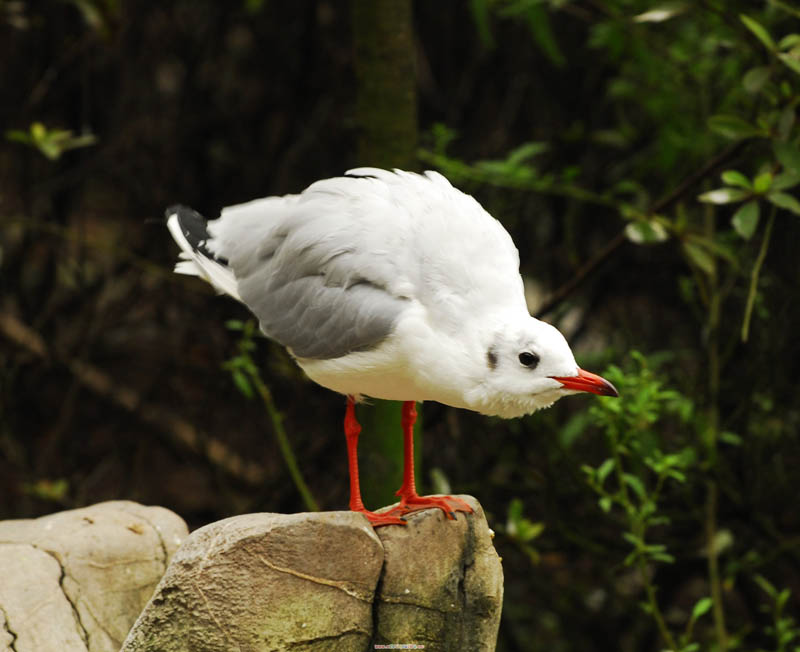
{"points": [[645, 157], [50, 142], [247, 378]]}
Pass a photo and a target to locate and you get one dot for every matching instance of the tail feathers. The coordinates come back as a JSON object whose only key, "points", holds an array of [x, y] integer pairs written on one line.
{"points": [[188, 228]]}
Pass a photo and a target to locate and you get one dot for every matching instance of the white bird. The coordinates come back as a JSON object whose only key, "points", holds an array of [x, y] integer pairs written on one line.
{"points": [[391, 285]]}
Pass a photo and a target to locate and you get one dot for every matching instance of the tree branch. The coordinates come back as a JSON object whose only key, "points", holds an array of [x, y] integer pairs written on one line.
{"points": [[177, 429]]}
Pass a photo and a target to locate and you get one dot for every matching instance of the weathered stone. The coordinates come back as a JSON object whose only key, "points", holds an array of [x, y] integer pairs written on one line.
{"points": [[7, 638], [267, 582], [442, 583], [77, 580], [37, 613], [264, 582]]}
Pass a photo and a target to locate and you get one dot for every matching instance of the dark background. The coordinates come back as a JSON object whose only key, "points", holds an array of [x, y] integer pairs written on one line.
{"points": [[112, 373]]}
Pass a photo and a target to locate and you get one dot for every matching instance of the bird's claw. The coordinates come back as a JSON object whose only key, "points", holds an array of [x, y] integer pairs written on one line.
{"points": [[448, 504]]}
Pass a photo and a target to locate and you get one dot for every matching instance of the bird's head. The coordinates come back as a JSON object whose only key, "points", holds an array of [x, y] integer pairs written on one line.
{"points": [[528, 365]]}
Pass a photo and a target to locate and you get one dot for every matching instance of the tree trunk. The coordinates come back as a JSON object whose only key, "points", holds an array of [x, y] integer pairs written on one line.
{"points": [[386, 114], [386, 103]]}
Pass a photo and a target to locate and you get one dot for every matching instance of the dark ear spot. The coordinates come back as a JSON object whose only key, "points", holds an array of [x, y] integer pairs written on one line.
{"points": [[491, 358]]}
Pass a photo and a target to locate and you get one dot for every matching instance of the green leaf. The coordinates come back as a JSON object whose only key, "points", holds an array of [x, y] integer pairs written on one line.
{"points": [[723, 195], [49, 148], [762, 182], [663, 557], [782, 598], [605, 503], [514, 510], [786, 121], [759, 30], [766, 586], [702, 606], [734, 178], [755, 78], [481, 18], [635, 483], [788, 155], [253, 6], [604, 469], [529, 530], [787, 202], [791, 60], [646, 232], [38, 132], [519, 527], [543, 34], [44, 489], [75, 142], [733, 127], [50, 142], [731, 438], [785, 180], [699, 256], [525, 152], [636, 541], [660, 13], [722, 540], [19, 136], [440, 483], [676, 475], [242, 382], [789, 41]]}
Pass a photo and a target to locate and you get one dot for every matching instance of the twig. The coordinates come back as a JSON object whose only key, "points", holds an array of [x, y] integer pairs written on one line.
{"points": [[127, 398], [283, 443], [246, 376], [754, 274], [698, 175], [618, 240], [713, 568], [583, 272]]}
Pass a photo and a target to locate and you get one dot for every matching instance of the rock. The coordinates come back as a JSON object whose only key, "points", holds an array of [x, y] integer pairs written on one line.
{"points": [[265, 582], [327, 582], [442, 583], [77, 580], [31, 587]]}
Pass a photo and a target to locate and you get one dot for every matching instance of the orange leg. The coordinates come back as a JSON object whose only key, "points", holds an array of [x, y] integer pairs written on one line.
{"points": [[351, 431], [410, 500]]}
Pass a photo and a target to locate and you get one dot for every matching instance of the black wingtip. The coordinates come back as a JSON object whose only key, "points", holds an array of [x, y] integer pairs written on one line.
{"points": [[193, 225], [174, 209], [350, 175], [194, 228]]}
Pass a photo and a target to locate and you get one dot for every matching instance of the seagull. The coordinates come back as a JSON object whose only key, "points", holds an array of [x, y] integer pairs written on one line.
{"points": [[390, 285]]}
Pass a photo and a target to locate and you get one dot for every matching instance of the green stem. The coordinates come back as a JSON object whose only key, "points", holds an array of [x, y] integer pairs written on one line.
{"points": [[283, 443], [652, 601], [639, 528], [543, 186], [713, 567], [754, 274], [714, 312]]}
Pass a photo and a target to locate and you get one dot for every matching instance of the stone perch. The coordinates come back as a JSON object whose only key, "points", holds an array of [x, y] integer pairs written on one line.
{"points": [[257, 582], [328, 582], [76, 580]]}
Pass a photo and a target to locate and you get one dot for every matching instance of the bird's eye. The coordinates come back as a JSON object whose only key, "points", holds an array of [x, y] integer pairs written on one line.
{"points": [[528, 359]]}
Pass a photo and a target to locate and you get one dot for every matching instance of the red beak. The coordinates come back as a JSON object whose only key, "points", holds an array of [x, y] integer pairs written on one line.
{"points": [[586, 381]]}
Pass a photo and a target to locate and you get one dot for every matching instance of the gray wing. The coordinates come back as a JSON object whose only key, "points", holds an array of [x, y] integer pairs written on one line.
{"points": [[317, 320], [302, 268]]}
